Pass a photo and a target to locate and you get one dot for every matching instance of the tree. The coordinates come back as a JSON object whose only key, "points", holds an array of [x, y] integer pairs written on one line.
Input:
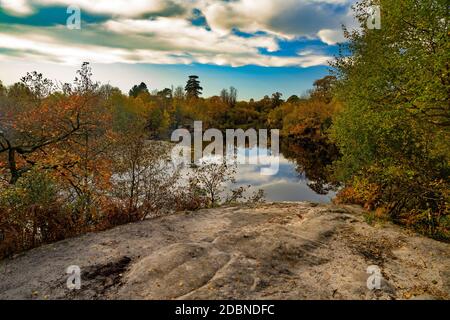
{"points": [[393, 130], [178, 93], [138, 89], [2, 89], [193, 88], [65, 135], [232, 97], [164, 98], [209, 180], [293, 99], [224, 95], [107, 91], [28, 109], [323, 88], [158, 123], [166, 93], [229, 97], [276, 99], [143, 184]]}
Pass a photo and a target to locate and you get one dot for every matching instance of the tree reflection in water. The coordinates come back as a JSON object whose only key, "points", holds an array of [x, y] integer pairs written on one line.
{"points": [[313, 160]]}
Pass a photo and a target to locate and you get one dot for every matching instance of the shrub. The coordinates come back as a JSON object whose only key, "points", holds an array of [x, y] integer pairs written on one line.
{"points": [[32, 214]]}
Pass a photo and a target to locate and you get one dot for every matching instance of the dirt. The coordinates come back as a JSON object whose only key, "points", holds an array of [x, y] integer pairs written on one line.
{"points": [[270, 251]]}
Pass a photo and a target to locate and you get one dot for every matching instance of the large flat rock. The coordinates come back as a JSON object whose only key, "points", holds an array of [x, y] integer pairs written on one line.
{"points": [[270, 251]]}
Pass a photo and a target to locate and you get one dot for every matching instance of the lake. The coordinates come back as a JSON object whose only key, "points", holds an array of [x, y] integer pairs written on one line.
{"points": [[301, 174], [288, 184]]}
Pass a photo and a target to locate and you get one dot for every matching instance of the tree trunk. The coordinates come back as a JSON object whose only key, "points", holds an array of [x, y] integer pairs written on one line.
{"points": [[13, 166]]}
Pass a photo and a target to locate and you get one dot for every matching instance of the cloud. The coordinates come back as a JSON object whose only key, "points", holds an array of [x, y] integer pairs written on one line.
{"points": [[123, 8], [285, 18], [331, 37], [180, 34], [162, 32], [43, 48], [17, 7]]}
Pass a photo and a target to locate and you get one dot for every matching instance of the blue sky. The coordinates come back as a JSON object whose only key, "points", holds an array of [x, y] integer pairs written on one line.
{"points": [[257, 46]]}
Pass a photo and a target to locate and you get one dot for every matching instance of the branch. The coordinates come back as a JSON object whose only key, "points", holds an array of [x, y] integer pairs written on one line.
{"points": [[23, 150], [4, 146]]}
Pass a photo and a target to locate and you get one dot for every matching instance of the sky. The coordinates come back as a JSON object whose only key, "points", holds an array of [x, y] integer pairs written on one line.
{"points": [[257, 46]]}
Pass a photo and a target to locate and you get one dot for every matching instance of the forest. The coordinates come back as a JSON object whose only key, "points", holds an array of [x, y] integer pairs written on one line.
{"points": [[85, 156]]}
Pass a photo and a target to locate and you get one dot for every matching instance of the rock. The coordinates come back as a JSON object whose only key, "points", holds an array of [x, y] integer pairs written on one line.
{"points": [[260, 252], [387, 287]]}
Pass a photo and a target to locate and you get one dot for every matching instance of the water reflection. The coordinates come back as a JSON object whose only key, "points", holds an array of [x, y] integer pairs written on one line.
{"points": [[301, 175]]}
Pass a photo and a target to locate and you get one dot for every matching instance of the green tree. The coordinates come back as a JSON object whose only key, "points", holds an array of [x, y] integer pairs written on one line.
{"points": [[393, 131], [276, 99], [193, 88], [293, 99]]}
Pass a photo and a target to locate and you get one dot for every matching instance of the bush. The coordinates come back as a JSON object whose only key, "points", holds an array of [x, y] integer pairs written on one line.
{"points": [[393, 129], [419, 201], [34, 212], [31, 214]]}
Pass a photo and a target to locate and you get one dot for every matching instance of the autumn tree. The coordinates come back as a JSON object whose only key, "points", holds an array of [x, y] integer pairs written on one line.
{"points": [[89, 177], [276, 99], [178, 93], [224, 95], [33, 121], [229, 96], [323, 89], [138, 89], [143, 183], [64, 134], [208, 180], [165, 94]]}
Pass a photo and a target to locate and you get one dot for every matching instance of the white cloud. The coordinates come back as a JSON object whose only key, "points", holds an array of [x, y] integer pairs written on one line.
{"points": [[127, 8], [285, 18], [40, 47], [170, 37], [331, 37], [50, 46], [180, 34], [17, 7]]}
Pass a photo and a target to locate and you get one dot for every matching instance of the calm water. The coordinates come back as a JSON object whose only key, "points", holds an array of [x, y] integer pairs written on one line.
{"points": [[287, 185]]}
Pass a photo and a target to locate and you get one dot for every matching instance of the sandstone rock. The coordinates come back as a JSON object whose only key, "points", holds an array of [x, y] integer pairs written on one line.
{"points": [[270, 251]]}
